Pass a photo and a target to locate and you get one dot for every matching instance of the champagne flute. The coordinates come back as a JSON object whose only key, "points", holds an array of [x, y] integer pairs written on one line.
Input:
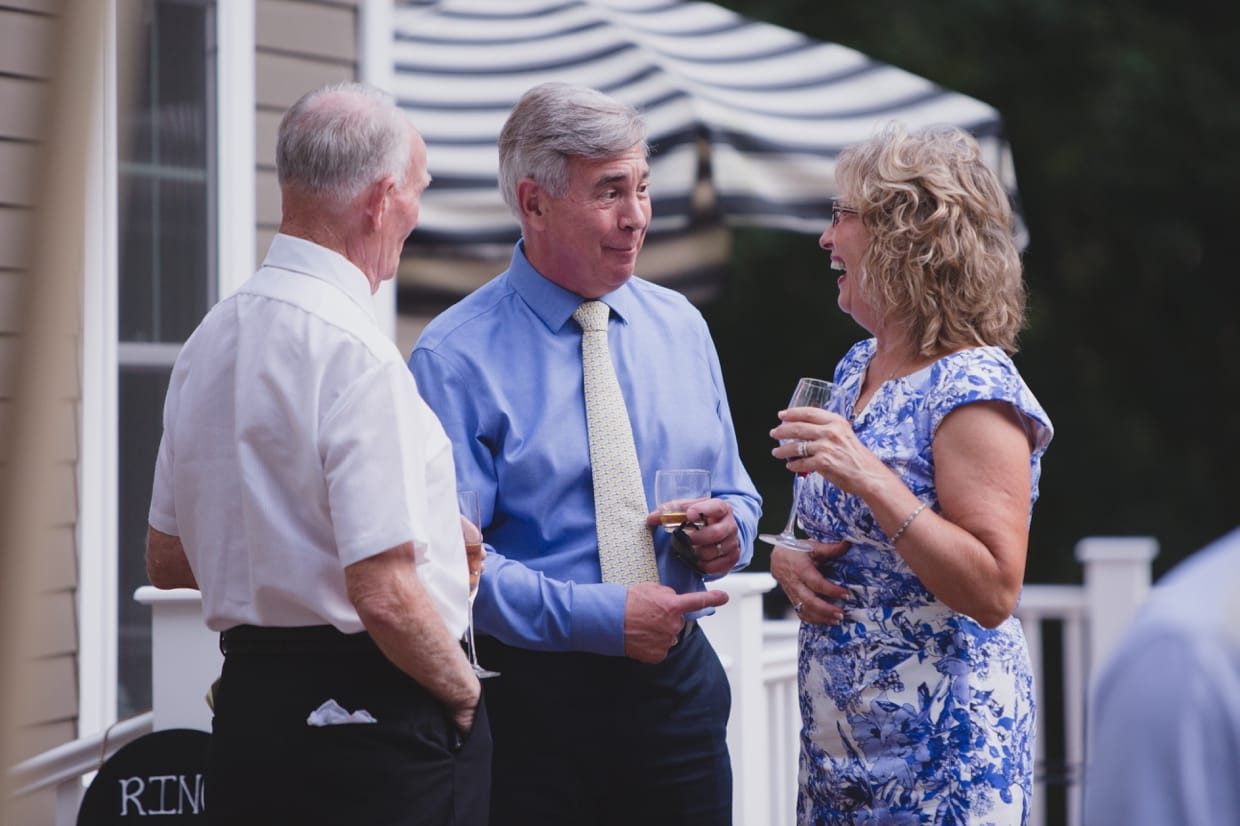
{"points": [[809, 393], [467, 500]]}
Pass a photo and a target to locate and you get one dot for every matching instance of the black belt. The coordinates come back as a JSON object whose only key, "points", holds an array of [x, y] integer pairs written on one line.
{"points": [[325, 639], [301, 639], [254, 639]]}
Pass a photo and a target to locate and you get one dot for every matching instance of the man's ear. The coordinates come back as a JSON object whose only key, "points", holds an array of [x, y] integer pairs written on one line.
{"points": [[378, 199], [531, 201]]}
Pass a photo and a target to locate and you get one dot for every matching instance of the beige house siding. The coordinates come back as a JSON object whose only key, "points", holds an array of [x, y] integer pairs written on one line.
{"points": [[298, 45], [46, 700]]}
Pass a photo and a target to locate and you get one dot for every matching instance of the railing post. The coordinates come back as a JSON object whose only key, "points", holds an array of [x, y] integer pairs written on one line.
{"points": [[185, 658], [1117, 579], [735, 630]]}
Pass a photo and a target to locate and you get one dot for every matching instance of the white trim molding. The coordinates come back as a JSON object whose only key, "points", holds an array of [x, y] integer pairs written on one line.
{"points": [[235, 106], [375, 66], [97, 463]]}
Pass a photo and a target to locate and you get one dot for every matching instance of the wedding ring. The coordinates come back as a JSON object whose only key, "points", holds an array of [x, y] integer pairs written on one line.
{"points": [[802, 450], [798, 607]]}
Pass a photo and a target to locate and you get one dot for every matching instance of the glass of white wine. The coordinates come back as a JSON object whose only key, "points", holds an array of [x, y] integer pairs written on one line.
{"points": [[467, 500], [675, 490], [808, 393]]}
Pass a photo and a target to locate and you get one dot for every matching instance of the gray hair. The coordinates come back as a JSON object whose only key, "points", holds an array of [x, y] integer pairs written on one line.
{"points": [[337, 140], [555, 122]]}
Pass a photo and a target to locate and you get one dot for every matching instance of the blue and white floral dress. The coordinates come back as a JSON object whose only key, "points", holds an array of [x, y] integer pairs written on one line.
{"points": [[912, 712]]}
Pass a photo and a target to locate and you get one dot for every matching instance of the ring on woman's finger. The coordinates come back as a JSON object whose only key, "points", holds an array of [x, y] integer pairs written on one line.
{"points": [[798, 607], [802, 450]]}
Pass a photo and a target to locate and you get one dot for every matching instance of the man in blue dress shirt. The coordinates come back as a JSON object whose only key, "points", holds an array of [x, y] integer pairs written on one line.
{"points": [[610, 707]]}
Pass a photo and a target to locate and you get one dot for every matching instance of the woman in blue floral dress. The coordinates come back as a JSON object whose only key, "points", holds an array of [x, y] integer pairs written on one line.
{"points": [[916, 690]]}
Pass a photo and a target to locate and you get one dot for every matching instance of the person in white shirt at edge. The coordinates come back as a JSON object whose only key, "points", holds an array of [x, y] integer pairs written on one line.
{"points": [[1164, 734], [307, 490]]}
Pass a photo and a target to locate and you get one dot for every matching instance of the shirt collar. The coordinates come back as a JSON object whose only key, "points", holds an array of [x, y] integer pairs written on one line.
{"points": [[551, 302], [288, 252]]}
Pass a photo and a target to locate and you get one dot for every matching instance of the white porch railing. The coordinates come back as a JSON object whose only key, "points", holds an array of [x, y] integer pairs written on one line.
{"points": [[63, 767], [760, 655]]}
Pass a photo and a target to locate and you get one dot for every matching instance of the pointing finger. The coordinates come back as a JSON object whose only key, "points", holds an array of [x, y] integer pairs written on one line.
{"points": [[703, 599]]}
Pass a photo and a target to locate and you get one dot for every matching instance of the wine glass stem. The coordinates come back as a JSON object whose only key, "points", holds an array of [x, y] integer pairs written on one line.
{"points": [[790, 528], [473, 648]]}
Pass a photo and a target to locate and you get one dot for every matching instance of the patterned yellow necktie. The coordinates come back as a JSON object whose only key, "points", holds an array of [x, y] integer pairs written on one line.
{"points": [[625, 547]]}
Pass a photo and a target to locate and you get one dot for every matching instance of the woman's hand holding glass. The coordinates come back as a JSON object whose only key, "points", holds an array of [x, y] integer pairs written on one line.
{"points": [[809, 392], [823, 442]]}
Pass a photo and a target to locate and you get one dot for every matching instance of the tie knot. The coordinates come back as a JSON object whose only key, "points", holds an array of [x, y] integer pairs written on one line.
{"points": [[592, 315]]}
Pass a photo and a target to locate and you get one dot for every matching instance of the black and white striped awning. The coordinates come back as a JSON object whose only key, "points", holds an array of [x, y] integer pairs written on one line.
{"points": [[746, 118]]}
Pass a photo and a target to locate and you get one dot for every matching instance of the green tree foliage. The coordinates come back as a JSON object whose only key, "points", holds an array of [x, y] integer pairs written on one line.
{"points": [[1124, 118]]}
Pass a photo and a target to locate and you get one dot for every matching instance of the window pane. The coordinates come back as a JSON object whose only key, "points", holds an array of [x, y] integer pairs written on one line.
{"points": [[165, 178], [163, 258], [140, 414]]}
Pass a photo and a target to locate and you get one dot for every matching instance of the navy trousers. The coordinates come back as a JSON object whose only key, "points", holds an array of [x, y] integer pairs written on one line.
{"points": [[583, 738], [265, 765]]}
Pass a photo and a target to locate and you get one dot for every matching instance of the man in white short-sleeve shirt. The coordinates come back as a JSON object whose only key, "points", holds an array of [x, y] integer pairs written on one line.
{"points": [[307, 490]]}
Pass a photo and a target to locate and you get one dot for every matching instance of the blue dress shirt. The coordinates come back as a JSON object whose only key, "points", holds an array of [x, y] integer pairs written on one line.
{"points": [[502, 370]]}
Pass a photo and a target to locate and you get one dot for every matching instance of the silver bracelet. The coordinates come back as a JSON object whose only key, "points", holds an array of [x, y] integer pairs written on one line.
{"points": [[899, 533]]}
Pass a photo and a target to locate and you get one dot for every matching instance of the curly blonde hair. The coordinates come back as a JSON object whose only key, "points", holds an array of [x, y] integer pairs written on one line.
{"points": [[942, 258]]}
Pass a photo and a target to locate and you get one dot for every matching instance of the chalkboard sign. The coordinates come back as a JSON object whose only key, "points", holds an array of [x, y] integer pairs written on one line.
{"points": [[156, 779]]}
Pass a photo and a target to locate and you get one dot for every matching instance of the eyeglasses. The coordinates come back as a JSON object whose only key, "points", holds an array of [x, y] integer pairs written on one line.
{"points": [[837, 211]]}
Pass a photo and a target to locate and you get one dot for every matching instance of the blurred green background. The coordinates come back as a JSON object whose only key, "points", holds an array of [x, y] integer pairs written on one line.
{"points": [[1124, 121]]}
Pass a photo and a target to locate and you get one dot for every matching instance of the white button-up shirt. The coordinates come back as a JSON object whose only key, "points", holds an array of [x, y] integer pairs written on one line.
{"points": [[295, 444]]}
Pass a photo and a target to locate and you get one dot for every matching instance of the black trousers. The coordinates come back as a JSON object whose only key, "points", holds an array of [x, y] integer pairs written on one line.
{"points": [[267, 766], [587, 739]]}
